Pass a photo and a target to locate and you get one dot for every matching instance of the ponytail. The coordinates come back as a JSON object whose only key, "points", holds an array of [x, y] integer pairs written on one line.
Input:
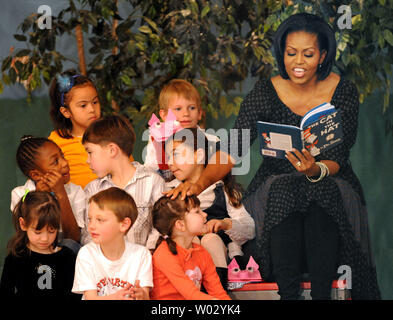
{"points": [[233, 189], [171, 244]]}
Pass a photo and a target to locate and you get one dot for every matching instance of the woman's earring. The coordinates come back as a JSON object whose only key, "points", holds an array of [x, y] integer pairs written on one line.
{"points": [[320, 66]]}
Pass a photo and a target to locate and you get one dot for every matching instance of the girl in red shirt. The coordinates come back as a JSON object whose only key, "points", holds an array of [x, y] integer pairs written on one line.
{"points": [[180, 266]]}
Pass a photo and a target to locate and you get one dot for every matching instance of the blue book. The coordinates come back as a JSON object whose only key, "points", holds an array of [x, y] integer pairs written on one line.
{"points": [[320, 129]]}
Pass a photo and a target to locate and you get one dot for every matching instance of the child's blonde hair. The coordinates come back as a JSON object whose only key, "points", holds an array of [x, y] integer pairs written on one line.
{"points": [[178, 87], [117, 201]]}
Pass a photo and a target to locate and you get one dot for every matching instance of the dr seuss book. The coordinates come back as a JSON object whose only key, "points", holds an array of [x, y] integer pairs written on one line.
{"points": [[320, 129]]}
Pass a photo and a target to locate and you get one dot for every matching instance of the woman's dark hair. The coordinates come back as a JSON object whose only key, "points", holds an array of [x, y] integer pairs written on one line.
{"points": [[63, 125], [312, 24], [27, 152], [196, 139], [166, 212], [40, 206]]}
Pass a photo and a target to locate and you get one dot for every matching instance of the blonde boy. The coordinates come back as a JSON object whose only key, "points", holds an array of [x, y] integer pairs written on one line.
{"points": [[110, 267], [183, 99], [109, 142]]}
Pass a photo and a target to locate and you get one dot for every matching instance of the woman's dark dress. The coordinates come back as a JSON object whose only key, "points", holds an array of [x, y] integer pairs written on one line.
{"points": [[277, 189]]}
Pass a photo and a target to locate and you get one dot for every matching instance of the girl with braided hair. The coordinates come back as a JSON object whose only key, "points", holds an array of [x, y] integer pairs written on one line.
{"points": [[43, 163], [181, 266]]}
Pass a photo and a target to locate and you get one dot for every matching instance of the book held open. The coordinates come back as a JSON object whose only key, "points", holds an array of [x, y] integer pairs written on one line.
{"points": [[320, 129]]}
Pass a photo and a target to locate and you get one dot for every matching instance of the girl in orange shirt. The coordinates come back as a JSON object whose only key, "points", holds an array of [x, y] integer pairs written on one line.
{"points": [[180, 266], [74, 105]]}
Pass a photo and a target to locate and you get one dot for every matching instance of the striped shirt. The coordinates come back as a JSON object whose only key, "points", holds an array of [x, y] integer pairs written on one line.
{"points": [[146, 187]]}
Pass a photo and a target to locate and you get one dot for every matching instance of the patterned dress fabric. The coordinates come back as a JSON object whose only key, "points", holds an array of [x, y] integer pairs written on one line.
{"points": [[277, 189]]}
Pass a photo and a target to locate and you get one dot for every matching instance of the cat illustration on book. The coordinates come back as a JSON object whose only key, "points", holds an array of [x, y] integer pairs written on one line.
{"points": [[311, 141], [267, 140]]}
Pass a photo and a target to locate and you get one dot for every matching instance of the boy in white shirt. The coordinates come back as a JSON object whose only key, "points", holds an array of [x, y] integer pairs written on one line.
{"points": [[109, 142], [110, 267]]}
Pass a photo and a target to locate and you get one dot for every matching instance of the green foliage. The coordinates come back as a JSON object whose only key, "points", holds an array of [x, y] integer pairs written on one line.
{"points": [[214, 44], [365, 52]]}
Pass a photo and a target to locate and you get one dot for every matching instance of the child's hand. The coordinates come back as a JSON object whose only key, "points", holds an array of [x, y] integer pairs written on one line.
{"points": [[41, 185], [123, 294], [185, 188], [215, 225], [138, 293], [55, 182]]}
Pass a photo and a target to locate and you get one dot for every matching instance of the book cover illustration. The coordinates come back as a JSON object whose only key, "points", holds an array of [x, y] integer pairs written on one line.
{"points": [[320, 129]]}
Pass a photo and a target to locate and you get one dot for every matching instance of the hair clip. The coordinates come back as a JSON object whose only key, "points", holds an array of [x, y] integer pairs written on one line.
{"points": [[24, 138], [65, 84], [24, 197]]}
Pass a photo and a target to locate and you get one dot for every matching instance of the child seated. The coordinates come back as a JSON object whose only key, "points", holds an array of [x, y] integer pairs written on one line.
{"points": [[110, 267], [35, 266], [182, 98], [74, 105], [109, 142], [43, 163], [229, 225], [180, 266]]}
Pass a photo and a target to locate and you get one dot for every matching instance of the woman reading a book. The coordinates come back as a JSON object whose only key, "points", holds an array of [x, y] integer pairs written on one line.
{"points": [[310, 212]]}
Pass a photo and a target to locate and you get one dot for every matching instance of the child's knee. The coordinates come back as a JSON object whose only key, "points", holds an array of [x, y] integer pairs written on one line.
{"points": [[212, 239], [217, 249]]}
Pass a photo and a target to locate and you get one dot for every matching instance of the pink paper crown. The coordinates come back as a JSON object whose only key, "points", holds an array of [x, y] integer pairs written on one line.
{"points": [[160, 132], [251, 273]]}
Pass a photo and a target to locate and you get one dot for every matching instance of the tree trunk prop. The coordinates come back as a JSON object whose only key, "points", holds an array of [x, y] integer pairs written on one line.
{"points": [[81, 51], [115, 51]]}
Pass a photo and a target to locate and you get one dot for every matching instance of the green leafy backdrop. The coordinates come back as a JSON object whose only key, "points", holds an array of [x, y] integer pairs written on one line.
{"points": [[216, 45]]}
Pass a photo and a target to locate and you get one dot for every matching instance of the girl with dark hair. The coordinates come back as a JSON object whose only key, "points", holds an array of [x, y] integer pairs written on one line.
{"points": [[180, 266], [74, 105], [229, 225], [303, 206], [43, 163], [35, 265]]}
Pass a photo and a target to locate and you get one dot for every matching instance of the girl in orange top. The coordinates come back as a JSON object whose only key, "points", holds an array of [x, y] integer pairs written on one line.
{"points": [[74, 105], [180, 266]]}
